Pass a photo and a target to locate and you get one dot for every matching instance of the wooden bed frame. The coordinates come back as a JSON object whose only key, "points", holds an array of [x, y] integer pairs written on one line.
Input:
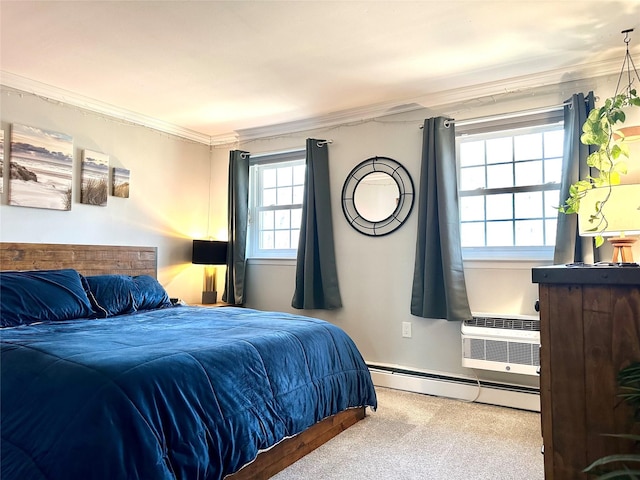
{"points": [[86, 259], [108, 259]]}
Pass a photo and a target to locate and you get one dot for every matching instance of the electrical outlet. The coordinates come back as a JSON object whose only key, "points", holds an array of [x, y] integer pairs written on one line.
{"points": [[406, 329]]}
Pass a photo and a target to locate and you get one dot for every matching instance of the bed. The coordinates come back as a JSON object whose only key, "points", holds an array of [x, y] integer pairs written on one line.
{"points": [[103, 377]]}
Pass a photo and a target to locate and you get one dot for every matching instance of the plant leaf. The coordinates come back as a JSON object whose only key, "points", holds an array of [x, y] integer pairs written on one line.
{"points": [[628, 436], [626, 474], [614, 178], [619, 457]]}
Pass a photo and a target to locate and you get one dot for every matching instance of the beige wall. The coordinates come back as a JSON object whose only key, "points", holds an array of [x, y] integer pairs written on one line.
{"points": [[169, 189]]}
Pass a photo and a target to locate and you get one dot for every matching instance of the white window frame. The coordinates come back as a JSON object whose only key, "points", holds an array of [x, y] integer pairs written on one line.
{"points": [[258, 162], [516, 124]]}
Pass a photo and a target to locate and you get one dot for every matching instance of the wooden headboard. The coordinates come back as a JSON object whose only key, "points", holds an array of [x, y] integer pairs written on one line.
{"points": [[86, 259]]}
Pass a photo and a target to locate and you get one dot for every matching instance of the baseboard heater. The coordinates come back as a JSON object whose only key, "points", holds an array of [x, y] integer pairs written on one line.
{"points": [[461, 388], [503, 343]]}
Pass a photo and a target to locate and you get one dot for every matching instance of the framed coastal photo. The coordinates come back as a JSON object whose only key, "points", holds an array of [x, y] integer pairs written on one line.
{"points": [[1, 161], [121, 182], [41, 166], [95, 178]]}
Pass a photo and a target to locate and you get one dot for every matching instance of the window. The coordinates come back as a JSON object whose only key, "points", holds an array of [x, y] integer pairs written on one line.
{"points": [[275, 204], [509, 186]]}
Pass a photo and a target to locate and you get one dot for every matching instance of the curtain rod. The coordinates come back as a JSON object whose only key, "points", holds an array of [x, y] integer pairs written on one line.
{"points": [[505, 116], [290, 151], [277, 152]]}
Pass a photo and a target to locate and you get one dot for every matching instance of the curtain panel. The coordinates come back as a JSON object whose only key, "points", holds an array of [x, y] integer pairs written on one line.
{"points": [[316, 284], [237, 217], [570, 247], [439, 287]]}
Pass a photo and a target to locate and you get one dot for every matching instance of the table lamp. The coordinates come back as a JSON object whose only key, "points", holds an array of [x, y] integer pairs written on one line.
{"points": [[209, 253], [622, 212]]}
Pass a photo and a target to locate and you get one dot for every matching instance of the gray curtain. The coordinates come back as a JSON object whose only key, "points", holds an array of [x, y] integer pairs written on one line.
{"points": [[570, 247], [316, 273], [237, 216], [439, 288]]}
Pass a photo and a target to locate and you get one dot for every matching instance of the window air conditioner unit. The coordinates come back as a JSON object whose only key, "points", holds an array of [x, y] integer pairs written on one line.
{"points": [[502, 343]]}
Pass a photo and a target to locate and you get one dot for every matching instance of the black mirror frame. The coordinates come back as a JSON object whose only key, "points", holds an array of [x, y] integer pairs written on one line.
{"points": [[405, 199]]}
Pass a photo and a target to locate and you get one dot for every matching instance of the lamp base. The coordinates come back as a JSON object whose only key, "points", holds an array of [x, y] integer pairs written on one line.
{"points": [[622, 248], [209, 298]]}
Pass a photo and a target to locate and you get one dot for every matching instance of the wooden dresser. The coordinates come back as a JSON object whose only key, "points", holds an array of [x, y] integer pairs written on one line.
{"points": [[589, 330]]}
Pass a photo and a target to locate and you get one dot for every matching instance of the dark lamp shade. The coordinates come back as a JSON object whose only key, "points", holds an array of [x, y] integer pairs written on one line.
{"points": [[209, 252]]}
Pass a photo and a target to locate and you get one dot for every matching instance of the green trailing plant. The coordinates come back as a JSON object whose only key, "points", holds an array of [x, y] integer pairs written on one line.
{"points": [[623, 466], [601, 129]]}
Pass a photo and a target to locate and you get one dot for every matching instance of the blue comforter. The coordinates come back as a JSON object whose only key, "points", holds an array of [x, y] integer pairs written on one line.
{"points": [[185, 392]]}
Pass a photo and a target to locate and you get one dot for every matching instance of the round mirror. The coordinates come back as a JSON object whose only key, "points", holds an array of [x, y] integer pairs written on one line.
{"points": [[377, 196]]}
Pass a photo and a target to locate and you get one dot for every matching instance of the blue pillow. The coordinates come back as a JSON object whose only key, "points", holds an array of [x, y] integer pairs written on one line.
{"points": [[120, 294], [39, 296], [112, 294], [149, 294]]}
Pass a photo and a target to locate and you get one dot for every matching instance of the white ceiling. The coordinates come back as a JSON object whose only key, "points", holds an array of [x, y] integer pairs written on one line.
{"points": [[217, 67]]}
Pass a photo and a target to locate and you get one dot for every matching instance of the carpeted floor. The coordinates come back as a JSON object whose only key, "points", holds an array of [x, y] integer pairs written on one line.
{"points": [[414, 436]]}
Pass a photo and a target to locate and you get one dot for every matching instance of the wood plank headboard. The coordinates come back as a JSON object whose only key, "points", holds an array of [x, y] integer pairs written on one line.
{"points": [[86, 259]]}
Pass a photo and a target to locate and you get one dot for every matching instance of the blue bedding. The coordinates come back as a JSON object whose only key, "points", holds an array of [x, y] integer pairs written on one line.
{"points": [[184, 392]]}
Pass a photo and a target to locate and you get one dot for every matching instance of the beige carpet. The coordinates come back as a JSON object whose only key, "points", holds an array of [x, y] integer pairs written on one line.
{"points": [[414, 436]]}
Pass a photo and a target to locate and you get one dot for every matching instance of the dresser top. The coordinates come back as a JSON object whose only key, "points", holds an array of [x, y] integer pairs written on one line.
{"points": [[587, 274]]}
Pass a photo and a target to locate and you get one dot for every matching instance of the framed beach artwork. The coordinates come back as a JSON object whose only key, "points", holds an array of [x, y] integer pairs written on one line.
{"points": [[95, 178], [41, 165], [121, 182], [1, 161]]}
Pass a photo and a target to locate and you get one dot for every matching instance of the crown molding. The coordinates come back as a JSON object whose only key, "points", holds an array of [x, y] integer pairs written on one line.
{"points": [[223, 139], [502, 87], [49, 92], [354, 115]]}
